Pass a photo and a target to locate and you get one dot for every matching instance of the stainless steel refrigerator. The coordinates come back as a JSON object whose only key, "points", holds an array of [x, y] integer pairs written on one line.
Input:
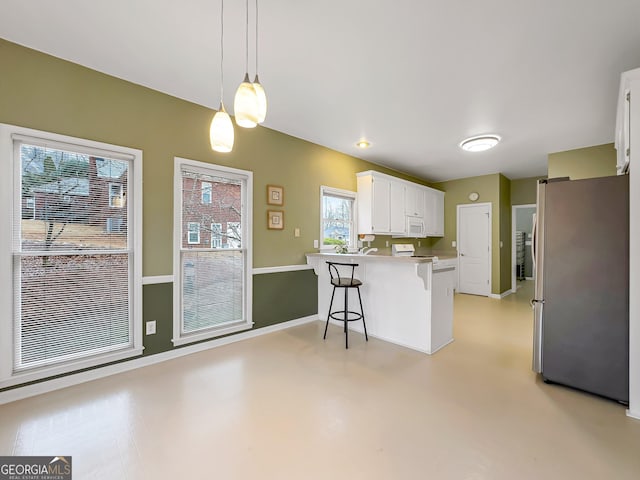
{"points": [[581, 302]]}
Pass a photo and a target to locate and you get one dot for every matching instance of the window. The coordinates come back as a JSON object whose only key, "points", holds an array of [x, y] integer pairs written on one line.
{"points": [[216, 235], [337, 211], [193, 233], [74, 290], [206, 192], [116, 195], [212, 289]]}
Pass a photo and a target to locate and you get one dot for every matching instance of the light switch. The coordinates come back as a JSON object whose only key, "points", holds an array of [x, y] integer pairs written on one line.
{"points": [[296, 232], [315, 244], [454, 244]]}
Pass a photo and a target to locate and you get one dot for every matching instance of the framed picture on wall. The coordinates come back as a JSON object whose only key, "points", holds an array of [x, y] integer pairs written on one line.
{"points": [[275, 195], [275, 220]]}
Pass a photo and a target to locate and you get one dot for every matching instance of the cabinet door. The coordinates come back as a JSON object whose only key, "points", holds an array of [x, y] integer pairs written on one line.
{"points": [[438, 214], [380, 216], [414, 201], [429, 212], [397, 223]]}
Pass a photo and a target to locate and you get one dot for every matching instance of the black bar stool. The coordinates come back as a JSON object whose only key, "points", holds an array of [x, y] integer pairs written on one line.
{"points": [[343, 315]]}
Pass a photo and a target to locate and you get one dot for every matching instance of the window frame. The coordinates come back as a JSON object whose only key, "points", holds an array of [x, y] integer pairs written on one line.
{"points": [[197, 232], [206, 191], [119, 197], [180, 338], [9, 185], [214, 236], [338, 192]]}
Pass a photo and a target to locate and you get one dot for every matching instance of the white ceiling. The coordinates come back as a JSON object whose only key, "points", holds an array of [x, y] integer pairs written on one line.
{"points": [[413, 77]]}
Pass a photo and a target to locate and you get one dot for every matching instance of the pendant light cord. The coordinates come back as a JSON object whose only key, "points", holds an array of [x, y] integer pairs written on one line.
{"points": [[256, 37], [246, 61], [221, 50]]}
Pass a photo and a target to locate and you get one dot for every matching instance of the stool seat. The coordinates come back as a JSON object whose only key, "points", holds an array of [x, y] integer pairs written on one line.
{"points": [[345, 282], [345, 315]]}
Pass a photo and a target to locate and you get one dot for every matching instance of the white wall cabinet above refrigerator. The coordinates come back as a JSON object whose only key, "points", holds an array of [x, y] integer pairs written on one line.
{"points": [[388, 205]]}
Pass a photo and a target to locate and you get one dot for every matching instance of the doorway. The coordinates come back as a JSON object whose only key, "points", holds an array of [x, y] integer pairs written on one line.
{"points": [[521, 231], [474, 249]]}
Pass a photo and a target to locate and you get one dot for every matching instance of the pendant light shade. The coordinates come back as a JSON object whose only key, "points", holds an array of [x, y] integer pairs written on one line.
{"points": [[245, 104], [221, 132], [261, 98]]}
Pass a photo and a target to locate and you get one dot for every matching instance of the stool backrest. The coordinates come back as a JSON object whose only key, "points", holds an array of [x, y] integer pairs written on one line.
{"points": [[335, 273]]}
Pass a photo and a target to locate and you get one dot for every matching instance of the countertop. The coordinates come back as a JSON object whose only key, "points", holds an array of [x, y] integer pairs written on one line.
{"points": [[380, 256]]}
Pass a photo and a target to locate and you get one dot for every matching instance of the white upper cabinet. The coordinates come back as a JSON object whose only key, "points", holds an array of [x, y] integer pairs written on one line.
{"points": [[386, 202], [414, 200], [380, 204], [434, 212]]}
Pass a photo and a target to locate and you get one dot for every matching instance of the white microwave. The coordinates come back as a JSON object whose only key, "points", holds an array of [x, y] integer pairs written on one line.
{"points": [[415, 227]]}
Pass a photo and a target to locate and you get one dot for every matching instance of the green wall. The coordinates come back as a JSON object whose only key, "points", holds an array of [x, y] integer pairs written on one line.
{"points": [[590, 162], [457, 193], [505, 234], [46, 93], [43, 92], [524, 191]]}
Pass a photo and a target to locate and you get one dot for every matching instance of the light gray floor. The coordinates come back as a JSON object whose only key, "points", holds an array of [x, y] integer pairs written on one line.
{"points": [[291, 406]]}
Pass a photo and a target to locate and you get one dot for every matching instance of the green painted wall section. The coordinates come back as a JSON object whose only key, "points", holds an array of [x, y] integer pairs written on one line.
{"points": [[590, 162], [505, 234], [157, 304], [457, 193], [524, 191], [46, 93], [279, 297]]}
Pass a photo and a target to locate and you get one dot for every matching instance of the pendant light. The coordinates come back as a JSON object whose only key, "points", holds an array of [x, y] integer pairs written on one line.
{"points": [[260, 93], [245, 104], [221, 132]]}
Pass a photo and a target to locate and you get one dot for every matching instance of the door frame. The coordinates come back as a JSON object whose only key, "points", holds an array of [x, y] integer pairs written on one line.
{"points": [[514, 211], [490, 258]]}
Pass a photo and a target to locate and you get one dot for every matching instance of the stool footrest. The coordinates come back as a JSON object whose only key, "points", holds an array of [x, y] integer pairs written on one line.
{"points": [[334, 315]]}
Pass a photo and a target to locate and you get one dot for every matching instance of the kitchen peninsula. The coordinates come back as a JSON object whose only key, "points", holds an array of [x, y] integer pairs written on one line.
{"points": [[407, 300]]}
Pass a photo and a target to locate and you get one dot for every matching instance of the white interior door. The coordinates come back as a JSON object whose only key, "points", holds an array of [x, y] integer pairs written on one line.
{"points": [[474, 249]]}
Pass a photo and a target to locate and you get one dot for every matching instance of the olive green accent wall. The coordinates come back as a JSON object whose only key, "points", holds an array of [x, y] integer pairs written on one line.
{"points": [[457, 193], [524, 191], [46, 93], [157, 304], [279, 297], [505, 234], [590, 162]]}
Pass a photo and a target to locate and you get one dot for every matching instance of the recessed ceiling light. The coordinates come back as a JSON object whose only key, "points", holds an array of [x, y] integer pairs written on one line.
{"points": [[480, 143], [363, 144]]}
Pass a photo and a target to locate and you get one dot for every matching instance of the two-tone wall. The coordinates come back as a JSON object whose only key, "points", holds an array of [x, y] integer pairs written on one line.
{"points": [[46, 93]]}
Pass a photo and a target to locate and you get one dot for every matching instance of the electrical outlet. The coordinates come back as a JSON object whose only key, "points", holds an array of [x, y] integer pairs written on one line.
{"points": [[501, 244], [454, 244], [151, 327], [419, 243], [386, 243]]}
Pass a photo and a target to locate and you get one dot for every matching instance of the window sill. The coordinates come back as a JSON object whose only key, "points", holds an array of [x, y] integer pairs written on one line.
{"points": [[70, 367], [210, 334]]}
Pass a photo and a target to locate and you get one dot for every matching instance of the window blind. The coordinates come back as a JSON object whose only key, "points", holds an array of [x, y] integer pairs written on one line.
{"points": [[72, 256]]}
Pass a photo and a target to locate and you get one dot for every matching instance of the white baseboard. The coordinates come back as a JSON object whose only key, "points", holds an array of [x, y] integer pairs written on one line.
{"points": [[502, 295], [635, 415], [82, 377]]}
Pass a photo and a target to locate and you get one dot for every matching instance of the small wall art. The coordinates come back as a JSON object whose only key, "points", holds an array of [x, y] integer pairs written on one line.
{"points": [[275, 195], [275, 220]]}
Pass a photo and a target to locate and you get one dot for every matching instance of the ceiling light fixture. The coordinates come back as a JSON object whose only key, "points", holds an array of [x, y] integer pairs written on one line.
{"points": [[245, 104], [260, 93], [363, 144], [480, 143], [221, 132]]}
